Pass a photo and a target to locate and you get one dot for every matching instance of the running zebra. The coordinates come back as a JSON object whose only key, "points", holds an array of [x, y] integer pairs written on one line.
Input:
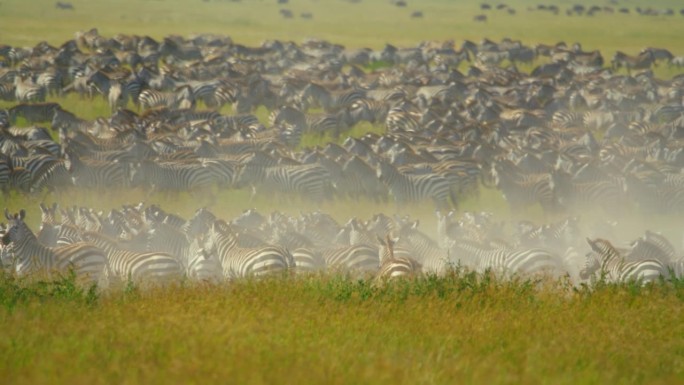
{"points": [[137, 267], [88, 262], [610, 265], [238, 262], [416, 188]]}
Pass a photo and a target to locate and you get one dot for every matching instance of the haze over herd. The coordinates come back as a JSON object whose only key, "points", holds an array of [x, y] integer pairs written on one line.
{"points": [[432, 123]]}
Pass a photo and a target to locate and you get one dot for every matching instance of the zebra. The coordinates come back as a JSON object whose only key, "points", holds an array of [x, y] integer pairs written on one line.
{"points": [[416, 188], [96, 175], [521, 190], [164, 237], [434, 259], [359, 179], [238, 262], [651, 246], [571, 192], [641, 62], [310, 181], [357, 259], [307, 261], [137, 267], [27, 91], [368, 110], [324, 124], [181, 98], [34, 112], [171, 176], [201, 266], [401, 119], [568, 119], [315, 95], [88, 262], [507, 261], [391, 266], [658, 54], [68, 121], [5, 173], [606, 260]]}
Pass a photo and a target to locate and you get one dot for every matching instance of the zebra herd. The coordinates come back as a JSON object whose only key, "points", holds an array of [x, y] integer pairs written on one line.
{"points": [[146, 245], [569, 135], [438, 123]]}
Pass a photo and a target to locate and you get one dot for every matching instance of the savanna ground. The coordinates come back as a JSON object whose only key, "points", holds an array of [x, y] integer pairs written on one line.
{"points": [[457, 329]]}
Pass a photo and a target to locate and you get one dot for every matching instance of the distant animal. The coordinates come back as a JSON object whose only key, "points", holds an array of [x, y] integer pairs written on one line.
{"points": [[480, 18], [65, 6], [417, 14]]}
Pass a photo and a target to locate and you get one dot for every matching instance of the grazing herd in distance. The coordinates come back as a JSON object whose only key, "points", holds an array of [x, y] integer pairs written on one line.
{"points": [[571, 135]]}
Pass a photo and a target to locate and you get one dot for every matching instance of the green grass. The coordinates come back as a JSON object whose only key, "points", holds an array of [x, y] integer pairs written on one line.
{"points": [[462, 328], [370, 23]]}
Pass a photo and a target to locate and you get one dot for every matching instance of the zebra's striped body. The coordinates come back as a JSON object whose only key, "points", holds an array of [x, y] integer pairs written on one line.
{"points": [[505, 261], [238, 262], [416, 188], [147, 268], [361, 259], [27, 91], [179, 99], [611, 265], [394, 266], [172, 176]]}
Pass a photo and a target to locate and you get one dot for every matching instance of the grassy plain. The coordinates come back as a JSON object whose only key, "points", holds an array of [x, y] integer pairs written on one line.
{"points": [[458, 329]]}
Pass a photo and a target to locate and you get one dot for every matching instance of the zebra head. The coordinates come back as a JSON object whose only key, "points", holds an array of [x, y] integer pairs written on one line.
{"points": [[599, 248], [386, 250], [199, 223], [16, 228], [591, 265]]}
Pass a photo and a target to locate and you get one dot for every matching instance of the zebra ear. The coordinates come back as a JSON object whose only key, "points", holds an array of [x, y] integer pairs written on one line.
{"points": [[7, 214], [22, 214], [591, 243]]}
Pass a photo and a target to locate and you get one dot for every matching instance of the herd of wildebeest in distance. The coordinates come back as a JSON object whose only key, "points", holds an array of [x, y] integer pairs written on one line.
{"points": [[436, 123]]}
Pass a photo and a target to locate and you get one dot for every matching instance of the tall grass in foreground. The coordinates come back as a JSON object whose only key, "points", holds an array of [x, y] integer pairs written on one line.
{"points": [[462, 328]]}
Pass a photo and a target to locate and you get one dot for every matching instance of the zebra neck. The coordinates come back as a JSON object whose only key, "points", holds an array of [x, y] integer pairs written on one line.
{"points": [[31, 251], [226, 243]]}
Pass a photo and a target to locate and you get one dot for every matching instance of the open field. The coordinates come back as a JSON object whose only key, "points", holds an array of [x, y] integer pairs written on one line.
{"points": [[369, 23], [457, 329], [324, 329]]}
